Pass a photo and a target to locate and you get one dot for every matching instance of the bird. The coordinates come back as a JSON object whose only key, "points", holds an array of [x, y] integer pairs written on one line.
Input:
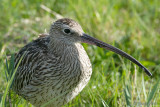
{"points": [[55, 67]]}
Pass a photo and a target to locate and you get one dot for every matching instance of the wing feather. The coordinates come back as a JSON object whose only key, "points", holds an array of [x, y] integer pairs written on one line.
{"points": [[34, 53]]}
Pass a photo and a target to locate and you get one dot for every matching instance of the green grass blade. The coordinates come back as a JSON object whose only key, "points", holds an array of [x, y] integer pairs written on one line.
{"points": [[7, 71], [11, 65], [104, 103], [6, 75], [127, 96], [7, 65], [152, 93], [9, 84], [144, 89], [1, 96]]}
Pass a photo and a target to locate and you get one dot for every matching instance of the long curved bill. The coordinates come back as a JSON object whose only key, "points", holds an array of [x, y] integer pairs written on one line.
{"points": [[93, 41]]}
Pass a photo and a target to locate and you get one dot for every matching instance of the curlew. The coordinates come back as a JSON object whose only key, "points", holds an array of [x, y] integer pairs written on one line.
{"points": [[55, 68]]}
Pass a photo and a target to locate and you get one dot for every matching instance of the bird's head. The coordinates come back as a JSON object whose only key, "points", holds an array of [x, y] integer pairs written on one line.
{"points": [[66, 30], [70, 32]]}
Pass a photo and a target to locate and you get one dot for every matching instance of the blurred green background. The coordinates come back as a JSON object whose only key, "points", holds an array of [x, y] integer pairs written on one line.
{"points": [[131, 25]]}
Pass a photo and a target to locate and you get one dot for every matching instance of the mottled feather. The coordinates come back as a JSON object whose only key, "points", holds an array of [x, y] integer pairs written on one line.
{"points": [[52, 68]]}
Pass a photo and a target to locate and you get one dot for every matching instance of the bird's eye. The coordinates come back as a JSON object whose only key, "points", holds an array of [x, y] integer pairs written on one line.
{"points": [[67, 31]]}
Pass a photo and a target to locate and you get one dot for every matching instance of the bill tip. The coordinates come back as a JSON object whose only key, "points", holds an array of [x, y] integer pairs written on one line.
{"points": [[147, 72]]}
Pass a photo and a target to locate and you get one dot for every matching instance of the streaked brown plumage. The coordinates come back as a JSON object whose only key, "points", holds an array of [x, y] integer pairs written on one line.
{"points": [[56, 66]]}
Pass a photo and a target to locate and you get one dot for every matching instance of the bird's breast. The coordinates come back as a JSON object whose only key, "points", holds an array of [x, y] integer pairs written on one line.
{"points": [[79, 69]]}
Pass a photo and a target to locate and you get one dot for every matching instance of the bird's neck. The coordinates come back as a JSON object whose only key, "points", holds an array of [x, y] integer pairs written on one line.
{"points": [[60, 48]]}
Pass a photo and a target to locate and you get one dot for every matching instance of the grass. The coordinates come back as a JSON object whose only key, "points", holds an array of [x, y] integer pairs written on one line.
{"points": [[131, 25]]}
